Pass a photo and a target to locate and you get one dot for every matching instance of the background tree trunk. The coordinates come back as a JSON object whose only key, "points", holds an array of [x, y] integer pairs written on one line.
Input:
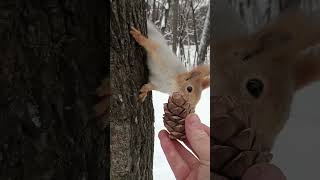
{"points": [[174, 24], [154, 11], [132, 131], [204, 43], [52, 59], [165, 16]]}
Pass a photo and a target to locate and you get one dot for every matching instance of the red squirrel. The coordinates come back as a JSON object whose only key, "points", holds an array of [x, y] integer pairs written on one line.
{"points": [[267, 67], [166, 73]]}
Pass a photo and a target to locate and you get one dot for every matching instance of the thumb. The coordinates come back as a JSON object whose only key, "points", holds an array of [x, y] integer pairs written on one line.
{"points": [[264, 171], [197, 137]]}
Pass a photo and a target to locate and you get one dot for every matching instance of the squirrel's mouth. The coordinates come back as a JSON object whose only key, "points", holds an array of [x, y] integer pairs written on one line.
{"points": [[234, 146]]}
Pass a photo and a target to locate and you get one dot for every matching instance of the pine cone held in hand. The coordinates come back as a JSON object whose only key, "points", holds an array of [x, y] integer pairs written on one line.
{"points": [[175, 112], [235, 147]]}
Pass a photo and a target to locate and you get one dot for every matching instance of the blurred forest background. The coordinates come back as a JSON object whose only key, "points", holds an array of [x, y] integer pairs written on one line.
{"points": [[185, 24]]}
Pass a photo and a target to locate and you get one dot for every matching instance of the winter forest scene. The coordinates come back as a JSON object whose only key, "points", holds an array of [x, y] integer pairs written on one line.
{"points": [[185, 26]]}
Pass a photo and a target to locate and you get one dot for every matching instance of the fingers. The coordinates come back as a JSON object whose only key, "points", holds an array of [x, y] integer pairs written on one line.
{"points": [[206, 129], [176, 162], [264, 171], [198, 137], [187, 143], [191, 160]]}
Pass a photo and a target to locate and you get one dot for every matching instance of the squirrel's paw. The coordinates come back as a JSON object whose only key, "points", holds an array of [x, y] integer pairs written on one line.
{"points": [[143, 93], [136, 34], [134, 31], [142, 96]]}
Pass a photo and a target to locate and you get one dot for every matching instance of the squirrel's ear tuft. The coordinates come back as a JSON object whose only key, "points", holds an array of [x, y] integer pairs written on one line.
{"points": [[205, 82], [307, 70], [203, 69]]}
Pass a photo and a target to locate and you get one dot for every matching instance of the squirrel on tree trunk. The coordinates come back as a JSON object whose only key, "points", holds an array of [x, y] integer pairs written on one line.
{"points": [[167, 73]]}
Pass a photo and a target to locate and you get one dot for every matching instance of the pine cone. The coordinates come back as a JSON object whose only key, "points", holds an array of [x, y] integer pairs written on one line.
{"points": [[235, 148], [175, 112]]}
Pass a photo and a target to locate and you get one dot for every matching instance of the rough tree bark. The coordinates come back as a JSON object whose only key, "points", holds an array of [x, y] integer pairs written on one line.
{"points": [[52, 59], [132, 131]]}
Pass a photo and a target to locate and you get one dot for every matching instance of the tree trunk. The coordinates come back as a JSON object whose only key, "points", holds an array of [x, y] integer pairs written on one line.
{"points": [[310, 5], [154, 11], [204, 43], [53, 57], [165, 16], [174, 24], [195, 34], [132, 132]]}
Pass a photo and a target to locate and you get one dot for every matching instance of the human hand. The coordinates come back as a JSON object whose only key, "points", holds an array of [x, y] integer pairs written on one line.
{"points": [[184, 164]]}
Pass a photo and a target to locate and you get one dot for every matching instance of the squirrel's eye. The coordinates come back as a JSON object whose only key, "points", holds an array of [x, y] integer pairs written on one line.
{"points": [[189, 89], [255, 87]]}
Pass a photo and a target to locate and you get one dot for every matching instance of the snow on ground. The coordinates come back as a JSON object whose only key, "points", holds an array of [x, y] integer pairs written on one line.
{"points": [[161, 168]]}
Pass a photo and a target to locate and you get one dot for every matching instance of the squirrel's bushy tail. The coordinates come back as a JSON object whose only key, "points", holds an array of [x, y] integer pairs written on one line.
{"points": [[168, 58], [155, 34]]}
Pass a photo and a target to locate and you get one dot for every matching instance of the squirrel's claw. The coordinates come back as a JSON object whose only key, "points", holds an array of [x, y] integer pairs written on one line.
{"points": [[142, 96], [134, 31], [143, 93], [136, 34]]}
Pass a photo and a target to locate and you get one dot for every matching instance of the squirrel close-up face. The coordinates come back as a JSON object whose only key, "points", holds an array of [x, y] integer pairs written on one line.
{"points": [[265, 69], [263, 81], [191, 83]]}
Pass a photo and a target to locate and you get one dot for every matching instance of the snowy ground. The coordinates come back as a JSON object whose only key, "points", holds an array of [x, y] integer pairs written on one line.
{"points": [[161, 168]]}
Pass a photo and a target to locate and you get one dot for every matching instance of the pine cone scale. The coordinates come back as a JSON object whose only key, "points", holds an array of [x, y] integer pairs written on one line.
{"points": [[243, 140], [170, 123], [221, 155], [240, 164], [224, 129]]}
